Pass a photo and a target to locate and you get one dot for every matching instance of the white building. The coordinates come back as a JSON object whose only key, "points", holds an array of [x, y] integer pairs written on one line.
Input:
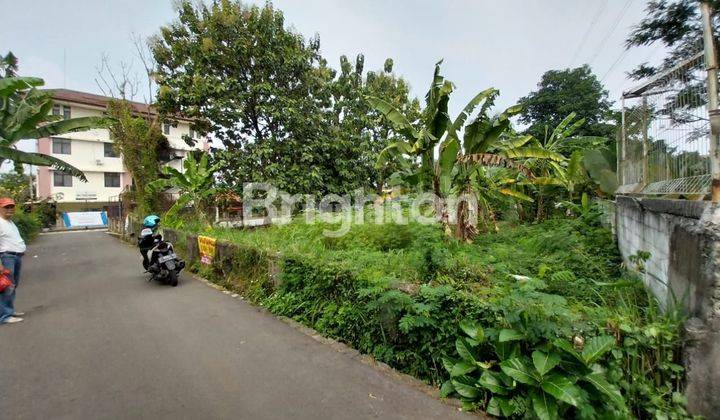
{"points": [[92, 152]]}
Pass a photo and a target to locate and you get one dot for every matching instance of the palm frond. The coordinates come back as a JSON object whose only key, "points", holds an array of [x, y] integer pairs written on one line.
{"points": [[39, 159]]}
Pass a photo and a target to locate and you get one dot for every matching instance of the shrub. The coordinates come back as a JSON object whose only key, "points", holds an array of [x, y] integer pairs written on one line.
{"points": [[28, 224]]}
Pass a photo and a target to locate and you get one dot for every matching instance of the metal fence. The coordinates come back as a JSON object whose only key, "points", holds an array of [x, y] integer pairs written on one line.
{"points": [[665, 138]]}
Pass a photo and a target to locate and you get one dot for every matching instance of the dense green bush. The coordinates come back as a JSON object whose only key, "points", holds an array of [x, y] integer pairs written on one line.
{"points": [[29, 225]]}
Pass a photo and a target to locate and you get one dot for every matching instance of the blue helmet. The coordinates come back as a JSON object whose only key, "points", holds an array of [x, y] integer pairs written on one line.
{"points": [[151, 221]]}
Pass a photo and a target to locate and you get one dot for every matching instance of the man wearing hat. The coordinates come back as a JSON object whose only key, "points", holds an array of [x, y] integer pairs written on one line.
{"points": [[12, 249]]}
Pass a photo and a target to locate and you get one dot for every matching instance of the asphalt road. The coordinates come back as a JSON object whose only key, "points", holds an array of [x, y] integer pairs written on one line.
{"points": [[99, 341]]}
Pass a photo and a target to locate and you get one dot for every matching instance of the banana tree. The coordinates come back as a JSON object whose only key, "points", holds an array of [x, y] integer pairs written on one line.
{"points": [[422, 136], [487, 141], [196, 183], [25, 114], [564, 166]]}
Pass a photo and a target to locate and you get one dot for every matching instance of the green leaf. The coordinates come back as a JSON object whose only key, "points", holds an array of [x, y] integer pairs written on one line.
{"points": [[596, 347], [515, 193], [464, 350], [474, 102], [10, 85], [464, 386], [462, 368], [448, 155], [569, 349], [546, 180], [493, 407], [507, 350], [39, 159], [446, 389], [611, 391], [562, 389], [516, 142], [544, 405], [545, 362], [560, 131], [401, 124], [67, 126], [600, 171], [448, 364], [500, 407], [472, 329], [516, 369], [510, 335], [534, 152], [489, 381]]}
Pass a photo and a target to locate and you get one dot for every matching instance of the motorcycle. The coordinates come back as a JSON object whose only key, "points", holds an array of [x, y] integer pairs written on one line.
{"points": [[159, 258]]}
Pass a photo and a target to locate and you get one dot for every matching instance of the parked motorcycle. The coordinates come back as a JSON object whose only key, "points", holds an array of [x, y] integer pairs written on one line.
{"points": [[159, 258]]}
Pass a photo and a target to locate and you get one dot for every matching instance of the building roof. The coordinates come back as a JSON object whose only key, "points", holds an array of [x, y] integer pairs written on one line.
{"points": [[77, 97]]}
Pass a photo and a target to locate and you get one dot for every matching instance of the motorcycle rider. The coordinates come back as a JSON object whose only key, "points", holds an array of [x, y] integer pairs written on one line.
{"points": [[149, 237]]}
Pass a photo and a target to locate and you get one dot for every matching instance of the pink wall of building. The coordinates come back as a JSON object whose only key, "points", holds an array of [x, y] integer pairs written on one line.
{"points": [[125, 180], [44, 174]]}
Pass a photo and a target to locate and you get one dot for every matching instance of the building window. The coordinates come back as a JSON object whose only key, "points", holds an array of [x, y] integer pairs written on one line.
{"points": [[56, 110], [166, 128], [66, 112], [112, 180], [109, 150], [61, 179], [61, 146]]}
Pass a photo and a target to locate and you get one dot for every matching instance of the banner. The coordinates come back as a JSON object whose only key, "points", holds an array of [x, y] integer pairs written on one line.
{"points": [[76, 219], [206, 246]]}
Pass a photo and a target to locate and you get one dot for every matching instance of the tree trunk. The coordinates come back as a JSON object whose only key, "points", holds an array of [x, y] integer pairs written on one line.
{"points": [[465, 230], [541, 207]]}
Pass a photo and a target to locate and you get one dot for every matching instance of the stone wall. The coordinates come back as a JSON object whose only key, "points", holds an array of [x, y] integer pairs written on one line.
{"points": [[683, 239]]}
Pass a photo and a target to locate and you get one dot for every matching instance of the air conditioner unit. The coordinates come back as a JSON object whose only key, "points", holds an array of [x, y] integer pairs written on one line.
{"points": [[99, 162]]}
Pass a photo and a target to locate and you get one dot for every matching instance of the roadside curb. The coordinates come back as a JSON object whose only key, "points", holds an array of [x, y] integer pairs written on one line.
{"points": [[60, 231]]}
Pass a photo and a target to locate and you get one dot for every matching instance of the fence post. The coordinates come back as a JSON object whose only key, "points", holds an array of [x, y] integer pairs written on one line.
{"points": [[622, 146], [645, 146], [711, 66]]}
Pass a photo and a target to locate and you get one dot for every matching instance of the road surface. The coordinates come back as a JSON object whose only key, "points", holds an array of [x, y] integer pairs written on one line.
{"points": [[99, 341]]}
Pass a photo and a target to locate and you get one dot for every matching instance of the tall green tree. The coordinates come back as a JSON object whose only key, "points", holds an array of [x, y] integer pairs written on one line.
{"points": [[259, 87], [561, 92], [359, 132], [8, 65], [675, 24], [142, 145]]}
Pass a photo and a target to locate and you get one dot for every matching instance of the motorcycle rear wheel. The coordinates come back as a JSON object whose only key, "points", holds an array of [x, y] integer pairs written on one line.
{"points": [[173, 277]]}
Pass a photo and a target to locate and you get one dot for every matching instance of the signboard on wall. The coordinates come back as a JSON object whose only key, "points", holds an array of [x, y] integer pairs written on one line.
{"points": [[79, 219], [86, 196], [206, 246]]}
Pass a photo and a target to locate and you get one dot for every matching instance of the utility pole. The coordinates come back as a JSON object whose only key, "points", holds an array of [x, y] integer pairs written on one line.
{"points": [[711, 65]]}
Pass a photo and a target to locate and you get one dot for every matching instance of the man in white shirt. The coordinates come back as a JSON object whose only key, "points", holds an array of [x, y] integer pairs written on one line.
{"points": [[12, 249]]}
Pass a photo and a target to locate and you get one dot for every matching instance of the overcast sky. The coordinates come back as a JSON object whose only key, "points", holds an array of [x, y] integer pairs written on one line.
{"points": [[505, 44]]}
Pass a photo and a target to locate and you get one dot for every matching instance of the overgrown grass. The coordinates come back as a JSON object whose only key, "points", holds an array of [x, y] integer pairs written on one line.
{"points": [[556, 280], [576, 260]]}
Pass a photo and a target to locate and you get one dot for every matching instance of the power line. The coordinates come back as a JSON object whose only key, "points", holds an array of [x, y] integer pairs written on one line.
{"points": [[610, 32], [620, 58], [588, 31]]}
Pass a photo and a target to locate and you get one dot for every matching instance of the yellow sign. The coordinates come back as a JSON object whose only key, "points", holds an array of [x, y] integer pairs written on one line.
{"points": [[206, 245]]}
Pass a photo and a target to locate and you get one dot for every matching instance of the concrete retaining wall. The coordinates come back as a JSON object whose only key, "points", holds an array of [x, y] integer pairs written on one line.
{"points": [[683, 271]]}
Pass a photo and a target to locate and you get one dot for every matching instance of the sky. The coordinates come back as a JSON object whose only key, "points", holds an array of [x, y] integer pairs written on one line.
{"points": [[504, 44]]}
